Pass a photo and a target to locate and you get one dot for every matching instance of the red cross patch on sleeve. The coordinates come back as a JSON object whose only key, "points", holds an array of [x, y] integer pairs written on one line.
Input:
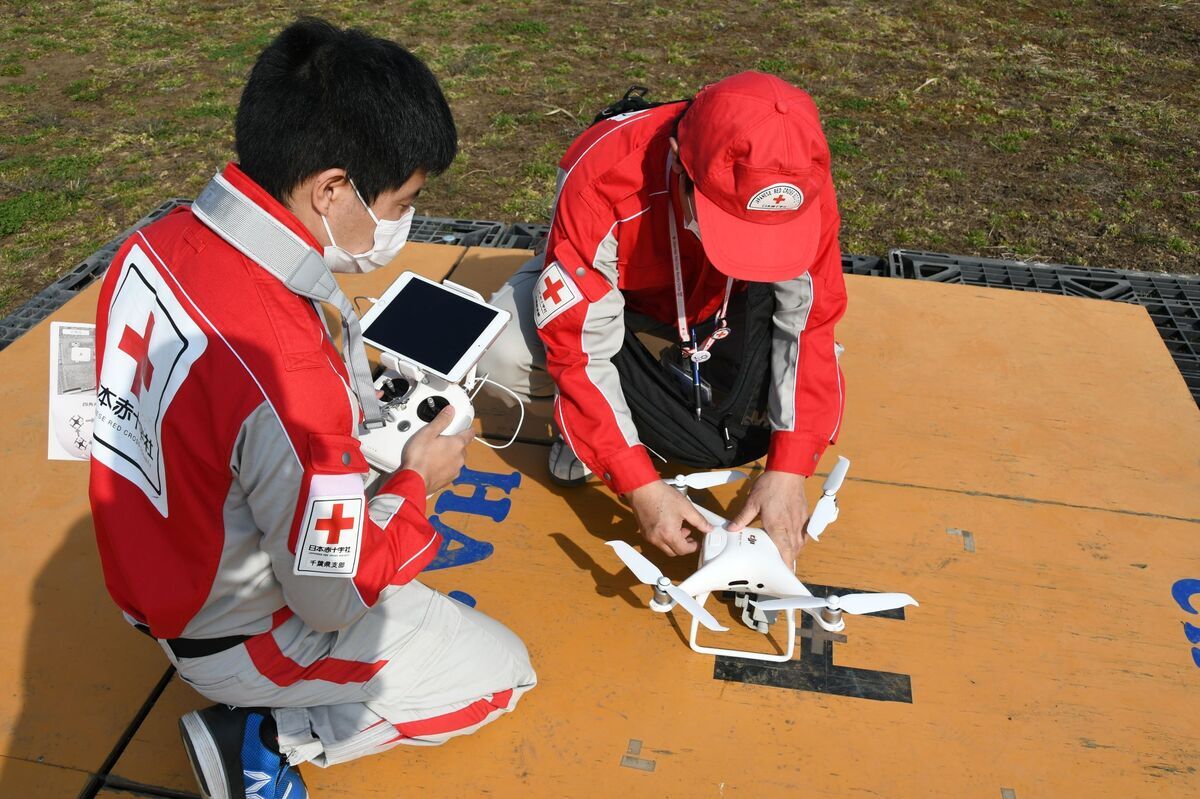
{"points": [[553, 293], [328, 543]]}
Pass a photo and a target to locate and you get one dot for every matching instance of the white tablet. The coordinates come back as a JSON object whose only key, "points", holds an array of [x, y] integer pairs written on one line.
{"points": [[435, 327]]}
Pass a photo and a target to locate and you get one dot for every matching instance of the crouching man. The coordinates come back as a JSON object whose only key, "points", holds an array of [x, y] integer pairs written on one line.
{"points": [[711, 223], [227, 486]]}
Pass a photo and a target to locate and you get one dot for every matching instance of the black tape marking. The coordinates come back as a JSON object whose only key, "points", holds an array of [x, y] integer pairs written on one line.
{"points": [[815, 670]]}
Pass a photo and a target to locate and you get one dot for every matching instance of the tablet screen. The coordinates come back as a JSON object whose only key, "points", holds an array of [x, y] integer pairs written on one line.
{"points": [[430, 325]]}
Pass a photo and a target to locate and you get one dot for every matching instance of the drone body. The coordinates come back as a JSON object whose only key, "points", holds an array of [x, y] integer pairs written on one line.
{"points": [[747, 563]]}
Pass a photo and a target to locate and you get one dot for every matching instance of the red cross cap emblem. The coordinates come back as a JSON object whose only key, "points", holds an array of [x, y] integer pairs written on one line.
{"points": [[137, 346], [335, 524], [553, 287], [779, 198]]}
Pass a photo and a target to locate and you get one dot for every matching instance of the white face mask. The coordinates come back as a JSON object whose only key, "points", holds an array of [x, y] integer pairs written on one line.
{"points": [[390, 237]]}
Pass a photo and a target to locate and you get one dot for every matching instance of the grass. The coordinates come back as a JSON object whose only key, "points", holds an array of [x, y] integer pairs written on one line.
{"points": [[1059, 130]]}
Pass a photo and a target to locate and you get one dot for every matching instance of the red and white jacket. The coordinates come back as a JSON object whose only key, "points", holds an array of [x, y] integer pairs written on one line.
{"points": [[226, 477], [609, 250]]}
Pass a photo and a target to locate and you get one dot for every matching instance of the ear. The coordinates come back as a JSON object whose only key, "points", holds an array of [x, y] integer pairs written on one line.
{"points": [[676, 167], [324, 187]]}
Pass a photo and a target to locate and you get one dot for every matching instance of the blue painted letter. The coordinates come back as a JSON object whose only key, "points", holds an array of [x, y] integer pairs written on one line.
{"points": [[468, 550], [1183, 591], [478, 503]]}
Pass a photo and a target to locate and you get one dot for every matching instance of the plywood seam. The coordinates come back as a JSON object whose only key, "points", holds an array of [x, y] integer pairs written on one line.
{"points": [[1029, 500], [35, 762]]}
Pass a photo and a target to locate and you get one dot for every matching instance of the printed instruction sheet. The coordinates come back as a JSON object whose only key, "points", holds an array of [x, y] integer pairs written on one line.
{"points": [[72, 398]]}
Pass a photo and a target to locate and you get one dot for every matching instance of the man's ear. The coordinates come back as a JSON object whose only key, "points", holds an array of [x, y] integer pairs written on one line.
{"points": [[676, 167], [324, 187]]}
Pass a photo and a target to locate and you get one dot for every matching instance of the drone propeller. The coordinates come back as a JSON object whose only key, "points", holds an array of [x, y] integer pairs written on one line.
{"points": [[700, 480], [834, 481], [826, 511], [850, 603], [649, 574]]}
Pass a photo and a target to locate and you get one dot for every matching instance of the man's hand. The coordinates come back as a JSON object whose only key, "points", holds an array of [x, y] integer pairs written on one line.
{"points": [[437, 458], [778, 497], [662, 511]]}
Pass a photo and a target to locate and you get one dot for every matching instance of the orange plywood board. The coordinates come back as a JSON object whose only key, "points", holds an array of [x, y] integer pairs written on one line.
{"points": [[1050, 661], [1021, 675], [1028, 395], [22, 779]]}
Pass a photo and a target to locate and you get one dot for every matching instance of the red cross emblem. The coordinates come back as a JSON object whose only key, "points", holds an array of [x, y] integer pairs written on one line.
{"points": [[553, 286], [335, 524], [137, 346], [779, 198]]}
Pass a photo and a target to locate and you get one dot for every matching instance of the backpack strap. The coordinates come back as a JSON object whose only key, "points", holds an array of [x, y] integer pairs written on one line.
{"points": [[634, 99]]}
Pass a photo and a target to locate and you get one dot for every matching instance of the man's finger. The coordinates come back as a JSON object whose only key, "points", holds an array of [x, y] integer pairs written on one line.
{"points": [[695, 519], [785, 546], [746, 515], [442, 420]]}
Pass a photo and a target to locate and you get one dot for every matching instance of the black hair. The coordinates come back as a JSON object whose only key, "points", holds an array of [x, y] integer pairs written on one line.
{"points": [[320, 97]]}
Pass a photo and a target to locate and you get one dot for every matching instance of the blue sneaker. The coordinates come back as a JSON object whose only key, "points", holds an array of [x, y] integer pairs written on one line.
{"points": [[234, 755]]}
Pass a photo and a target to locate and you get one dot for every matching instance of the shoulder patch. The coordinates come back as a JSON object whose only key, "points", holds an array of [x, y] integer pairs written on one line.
{"points": [[553, 294], [330, 537]]}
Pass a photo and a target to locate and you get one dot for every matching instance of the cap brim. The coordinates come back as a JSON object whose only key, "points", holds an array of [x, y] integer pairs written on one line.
{"points": [[755, 252]]}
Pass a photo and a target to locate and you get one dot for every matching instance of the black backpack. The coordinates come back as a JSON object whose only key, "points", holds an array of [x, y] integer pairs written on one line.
{"points": [[733, 428]]}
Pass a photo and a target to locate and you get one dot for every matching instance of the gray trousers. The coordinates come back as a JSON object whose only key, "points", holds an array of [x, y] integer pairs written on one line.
{"points": [[517, 359], [419, 669]]}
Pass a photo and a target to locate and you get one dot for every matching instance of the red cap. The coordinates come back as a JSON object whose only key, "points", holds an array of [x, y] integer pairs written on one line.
{"points": [[753, 146]]}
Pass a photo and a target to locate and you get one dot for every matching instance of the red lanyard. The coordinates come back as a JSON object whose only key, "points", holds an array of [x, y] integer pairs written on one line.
{"points": [[698, 353]]}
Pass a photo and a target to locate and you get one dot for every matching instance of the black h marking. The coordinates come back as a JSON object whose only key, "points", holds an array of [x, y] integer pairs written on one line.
{"points": [[815, 670]]}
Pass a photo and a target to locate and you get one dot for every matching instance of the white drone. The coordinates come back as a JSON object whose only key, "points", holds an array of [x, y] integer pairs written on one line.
{"points": [[747, 563]]}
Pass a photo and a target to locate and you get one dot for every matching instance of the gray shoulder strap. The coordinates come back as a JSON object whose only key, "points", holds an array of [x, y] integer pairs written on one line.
{"points": [[265, 240]]}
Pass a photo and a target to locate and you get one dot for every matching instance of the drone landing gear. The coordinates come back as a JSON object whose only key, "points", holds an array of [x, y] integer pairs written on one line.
{"points": [[753, 616]]}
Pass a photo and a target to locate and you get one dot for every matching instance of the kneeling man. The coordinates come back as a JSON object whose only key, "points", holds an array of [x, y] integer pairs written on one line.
{"points": [[227, 483]]}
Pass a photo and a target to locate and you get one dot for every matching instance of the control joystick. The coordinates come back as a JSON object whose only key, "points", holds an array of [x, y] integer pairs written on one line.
{"points": [[430, 407], [393, 388], [411, 401]]}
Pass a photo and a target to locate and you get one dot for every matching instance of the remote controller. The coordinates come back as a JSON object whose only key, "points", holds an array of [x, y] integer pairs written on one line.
{"points": [[411, 399]]}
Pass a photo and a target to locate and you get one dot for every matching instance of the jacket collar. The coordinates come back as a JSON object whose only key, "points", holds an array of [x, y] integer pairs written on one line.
{"points": [[246, 185]]}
